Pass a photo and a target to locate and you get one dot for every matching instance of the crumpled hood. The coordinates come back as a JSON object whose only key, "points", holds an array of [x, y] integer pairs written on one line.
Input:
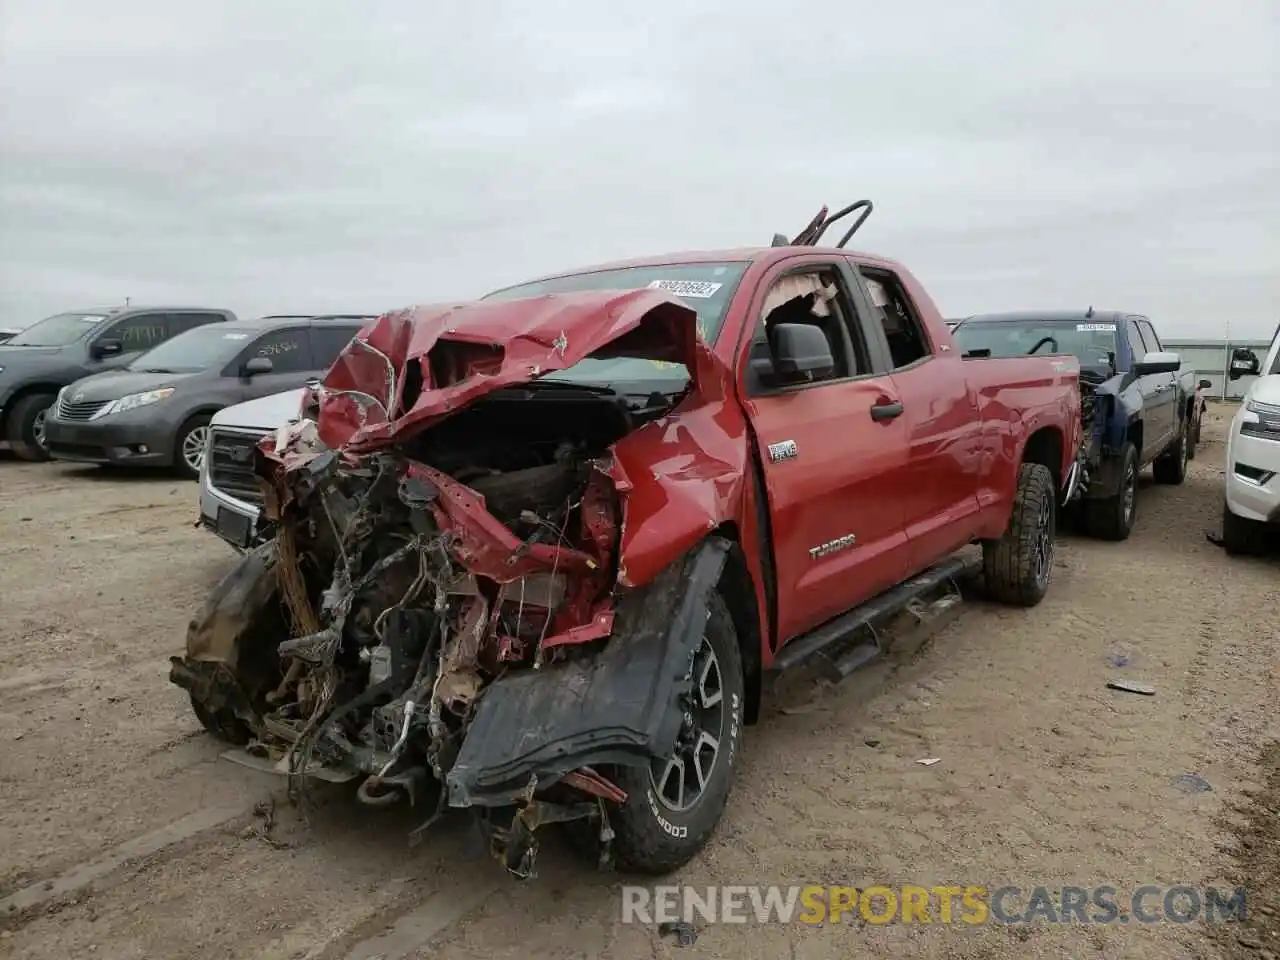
{"points": [[413, 367], [264, 413]]}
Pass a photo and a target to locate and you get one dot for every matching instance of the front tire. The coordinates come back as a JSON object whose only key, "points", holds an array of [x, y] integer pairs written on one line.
{"points": [[1240, 536], [1019, 566], [26, 426], [1113, 518], [189, 446], [674, 806], [225, 726]]}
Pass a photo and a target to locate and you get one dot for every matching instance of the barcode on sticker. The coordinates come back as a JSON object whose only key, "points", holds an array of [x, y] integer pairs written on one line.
{"points": [[698, 289], [1095, 328]]}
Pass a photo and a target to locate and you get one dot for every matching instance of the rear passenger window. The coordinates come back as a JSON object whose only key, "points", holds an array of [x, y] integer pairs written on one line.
{"points": [[329, 340], [894, 311], [141, 332], [182, 322], [288, 350]]}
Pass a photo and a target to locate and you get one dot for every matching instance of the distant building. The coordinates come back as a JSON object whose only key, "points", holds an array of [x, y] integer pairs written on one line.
{"points": [[1209, 359]]}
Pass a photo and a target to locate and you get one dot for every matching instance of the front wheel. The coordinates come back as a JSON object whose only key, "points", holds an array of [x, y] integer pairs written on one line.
{"points": [[222, 724], [674, 805], [189, 447], [26, 426], [1240, 535], [1113, 518], [1017, 567]]}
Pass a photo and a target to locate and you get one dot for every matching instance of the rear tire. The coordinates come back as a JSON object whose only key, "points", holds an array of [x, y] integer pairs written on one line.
{"points": [[26, 426], [1019, 566], [1194, 439], [1171, 466], [1113, 518], [1240, 536], [653, 834]]}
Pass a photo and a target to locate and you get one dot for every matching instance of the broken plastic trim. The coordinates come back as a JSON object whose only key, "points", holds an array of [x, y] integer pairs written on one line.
{"points": [[614, 706]]}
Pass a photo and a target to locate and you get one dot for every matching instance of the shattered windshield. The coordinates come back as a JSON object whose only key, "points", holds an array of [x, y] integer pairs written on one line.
{"points": [[56, 331], [1092, 343], [706, 287]]}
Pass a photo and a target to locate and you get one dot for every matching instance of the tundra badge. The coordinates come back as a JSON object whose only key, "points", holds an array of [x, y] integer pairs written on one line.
{"points": [[831, 546], [784, 450]]}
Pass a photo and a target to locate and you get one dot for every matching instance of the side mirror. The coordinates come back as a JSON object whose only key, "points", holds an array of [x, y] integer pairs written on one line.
{"points": [[257, 365], [107, 348], [1158, 362], [1244, 363], [1206, 384], [800, 353]]}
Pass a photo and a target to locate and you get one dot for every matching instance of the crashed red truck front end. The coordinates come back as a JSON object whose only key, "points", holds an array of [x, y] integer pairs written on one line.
{"points": [[481, 579]]}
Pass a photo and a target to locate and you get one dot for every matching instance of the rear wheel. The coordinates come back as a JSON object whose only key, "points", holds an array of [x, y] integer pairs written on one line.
{"points": [[1171, 466], [1019, 565], [1113, 518], [1241, 536], [673, 805], [26, 426], [1193, 439]]}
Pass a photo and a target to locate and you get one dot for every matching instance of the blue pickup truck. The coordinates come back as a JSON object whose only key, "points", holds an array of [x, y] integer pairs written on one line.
{"points": [[1139, 406]]}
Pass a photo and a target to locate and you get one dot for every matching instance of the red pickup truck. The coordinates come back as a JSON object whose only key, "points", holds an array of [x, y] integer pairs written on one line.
{"points": [[534, 555]]}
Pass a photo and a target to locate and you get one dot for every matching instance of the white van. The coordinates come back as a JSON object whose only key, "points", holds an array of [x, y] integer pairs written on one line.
{"points": [[1253, 453]]}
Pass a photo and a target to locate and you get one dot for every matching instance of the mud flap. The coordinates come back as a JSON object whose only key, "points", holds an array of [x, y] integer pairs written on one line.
{"points": [[614, 706]]}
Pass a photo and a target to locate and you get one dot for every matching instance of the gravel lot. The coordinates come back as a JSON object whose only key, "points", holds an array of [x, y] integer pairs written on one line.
{"points": [[124, 835]]}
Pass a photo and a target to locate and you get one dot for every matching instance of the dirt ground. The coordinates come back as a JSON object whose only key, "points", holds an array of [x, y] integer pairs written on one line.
{"points": [[124, 835]]}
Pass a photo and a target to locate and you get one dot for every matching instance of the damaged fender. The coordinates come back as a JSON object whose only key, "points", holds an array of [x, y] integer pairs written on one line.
{"points": [[617, 706]]}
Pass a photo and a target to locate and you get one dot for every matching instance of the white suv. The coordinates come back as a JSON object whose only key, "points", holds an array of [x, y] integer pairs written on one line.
{"points": [[1253, 453]]}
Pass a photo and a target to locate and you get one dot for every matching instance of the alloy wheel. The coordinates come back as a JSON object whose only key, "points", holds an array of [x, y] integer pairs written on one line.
{"points": [[193, 445], [1045, 544], [681, 781], [1130, 492], [37, 428]]}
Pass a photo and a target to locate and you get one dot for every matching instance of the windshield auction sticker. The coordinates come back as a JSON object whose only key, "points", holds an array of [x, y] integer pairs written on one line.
{"points": [[698, 289], [1095, 328]]}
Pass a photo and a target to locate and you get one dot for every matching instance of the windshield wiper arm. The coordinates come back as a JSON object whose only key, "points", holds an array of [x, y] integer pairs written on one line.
{"points": [[600, 390]]}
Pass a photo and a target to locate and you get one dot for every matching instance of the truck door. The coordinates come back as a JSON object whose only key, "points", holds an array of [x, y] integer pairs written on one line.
{"points": [[943, 422], [1168, 382], [1158, 395], [833, 452]]}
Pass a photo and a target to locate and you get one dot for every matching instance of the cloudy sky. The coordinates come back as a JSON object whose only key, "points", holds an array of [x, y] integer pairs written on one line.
{"points": [[280, 157]]}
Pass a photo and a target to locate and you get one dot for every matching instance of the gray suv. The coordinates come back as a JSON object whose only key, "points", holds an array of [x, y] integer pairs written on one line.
{"points": [[37, 362], [156, 412]]}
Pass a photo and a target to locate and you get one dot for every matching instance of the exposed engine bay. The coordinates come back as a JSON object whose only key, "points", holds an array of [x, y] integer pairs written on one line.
{"points": [[465, 575], [1092, 421]]}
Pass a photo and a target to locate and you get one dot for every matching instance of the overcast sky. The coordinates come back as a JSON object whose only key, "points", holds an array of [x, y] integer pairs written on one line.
{"points": [[282, 157]]}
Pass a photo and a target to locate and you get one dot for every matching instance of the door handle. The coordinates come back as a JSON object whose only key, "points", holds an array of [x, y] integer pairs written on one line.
{"points": [[886, 411]]}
